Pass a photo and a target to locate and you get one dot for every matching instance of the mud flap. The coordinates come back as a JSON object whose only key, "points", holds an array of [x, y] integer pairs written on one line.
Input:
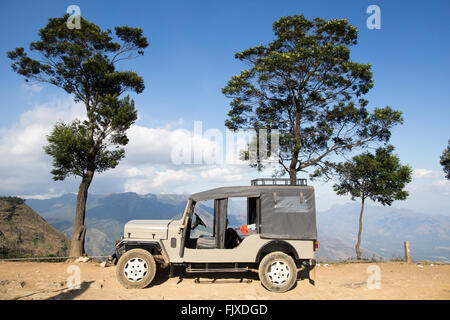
{"points": [[113, 259], [312, 272], [312, 276]]}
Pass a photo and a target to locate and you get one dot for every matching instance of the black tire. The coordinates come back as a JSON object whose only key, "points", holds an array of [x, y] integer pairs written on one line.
{"points": [[277, 272], [136, 269]]}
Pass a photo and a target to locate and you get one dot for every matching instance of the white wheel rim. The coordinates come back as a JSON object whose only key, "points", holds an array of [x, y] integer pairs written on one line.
{"points": [[278, 272], [135, 269]]}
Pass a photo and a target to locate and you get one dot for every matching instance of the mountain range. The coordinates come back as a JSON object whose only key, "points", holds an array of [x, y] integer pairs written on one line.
{"points": [[384, 231], [384, 228]]}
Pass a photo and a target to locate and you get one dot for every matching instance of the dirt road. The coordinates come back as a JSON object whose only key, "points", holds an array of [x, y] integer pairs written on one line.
{"points": [[26, 280]]}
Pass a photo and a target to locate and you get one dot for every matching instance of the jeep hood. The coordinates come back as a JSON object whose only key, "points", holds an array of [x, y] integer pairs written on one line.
{"points": [[146, 229]]}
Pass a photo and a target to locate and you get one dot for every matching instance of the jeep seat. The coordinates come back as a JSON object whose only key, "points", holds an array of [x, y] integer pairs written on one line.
{"points": [[206, 242]]}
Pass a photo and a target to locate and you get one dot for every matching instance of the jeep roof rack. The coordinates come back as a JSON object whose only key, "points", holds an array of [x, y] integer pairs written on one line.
{"points": [[277, 182]]}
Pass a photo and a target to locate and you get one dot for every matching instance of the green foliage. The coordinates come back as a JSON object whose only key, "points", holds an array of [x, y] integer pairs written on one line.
{"points": [[445, 161], [83, 63], [71, 145], [305, 85], [8, 253], [13, 200], [10, 204], [380, 177]]}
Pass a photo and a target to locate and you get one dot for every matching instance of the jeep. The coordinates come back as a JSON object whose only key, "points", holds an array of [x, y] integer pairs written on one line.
{"points": [[278, 239]]}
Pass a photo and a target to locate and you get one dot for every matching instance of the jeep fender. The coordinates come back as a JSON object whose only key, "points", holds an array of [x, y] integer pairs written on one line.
{"points": [[154, 247], [276, 245]]}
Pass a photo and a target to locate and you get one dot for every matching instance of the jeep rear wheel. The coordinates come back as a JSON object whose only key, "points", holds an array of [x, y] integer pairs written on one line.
{"points": [[136, 269], [277, 272]]}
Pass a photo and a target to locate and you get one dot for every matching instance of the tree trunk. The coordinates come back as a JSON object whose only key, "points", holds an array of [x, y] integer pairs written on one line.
{"points": [[79, 229], [292, 176], [292, 168], [358, 253], [295, 152]]}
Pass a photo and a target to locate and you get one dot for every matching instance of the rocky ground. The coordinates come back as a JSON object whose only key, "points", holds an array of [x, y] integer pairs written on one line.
{"points": [[398, 280]]}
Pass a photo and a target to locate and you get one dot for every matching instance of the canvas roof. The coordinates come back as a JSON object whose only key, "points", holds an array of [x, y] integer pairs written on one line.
{"points": [[243, 191]]}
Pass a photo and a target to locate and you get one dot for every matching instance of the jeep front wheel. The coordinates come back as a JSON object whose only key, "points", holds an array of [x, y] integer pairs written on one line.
{"points": [[277, 272], [136, 269]]}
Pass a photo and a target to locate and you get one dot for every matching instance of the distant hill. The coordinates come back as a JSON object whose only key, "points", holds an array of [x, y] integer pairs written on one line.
{"points": [[24, 233], [384, 228]]}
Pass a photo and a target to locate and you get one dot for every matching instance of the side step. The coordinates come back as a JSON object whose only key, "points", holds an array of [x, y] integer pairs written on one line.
{"points": [[197, 281], [209, 268]]}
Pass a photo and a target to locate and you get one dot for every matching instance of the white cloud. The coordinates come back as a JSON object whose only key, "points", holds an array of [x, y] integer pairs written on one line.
{"points": [[224, 174], [172, 178], [147, 167], [425, 174], [24, 167], [149, 180], [41, 196], [27, 136]]}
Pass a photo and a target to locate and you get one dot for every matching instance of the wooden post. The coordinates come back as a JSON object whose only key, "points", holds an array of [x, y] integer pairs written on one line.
{"points": [[407, 252]]}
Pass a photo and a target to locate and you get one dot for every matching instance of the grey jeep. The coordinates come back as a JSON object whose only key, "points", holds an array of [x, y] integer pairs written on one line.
{"points": [[281, 238]]}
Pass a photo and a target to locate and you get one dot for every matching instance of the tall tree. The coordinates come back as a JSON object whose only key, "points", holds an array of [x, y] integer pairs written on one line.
{"points": [[445, 160], [305, 85], [83, 63], [379, 177]]}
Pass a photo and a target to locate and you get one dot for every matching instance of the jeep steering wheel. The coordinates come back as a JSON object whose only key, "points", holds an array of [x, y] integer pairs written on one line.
{"points": [[198, 220]]}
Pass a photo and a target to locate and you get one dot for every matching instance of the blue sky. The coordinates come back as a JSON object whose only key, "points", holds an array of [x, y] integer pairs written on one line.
{"points": [[189, 60]]}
